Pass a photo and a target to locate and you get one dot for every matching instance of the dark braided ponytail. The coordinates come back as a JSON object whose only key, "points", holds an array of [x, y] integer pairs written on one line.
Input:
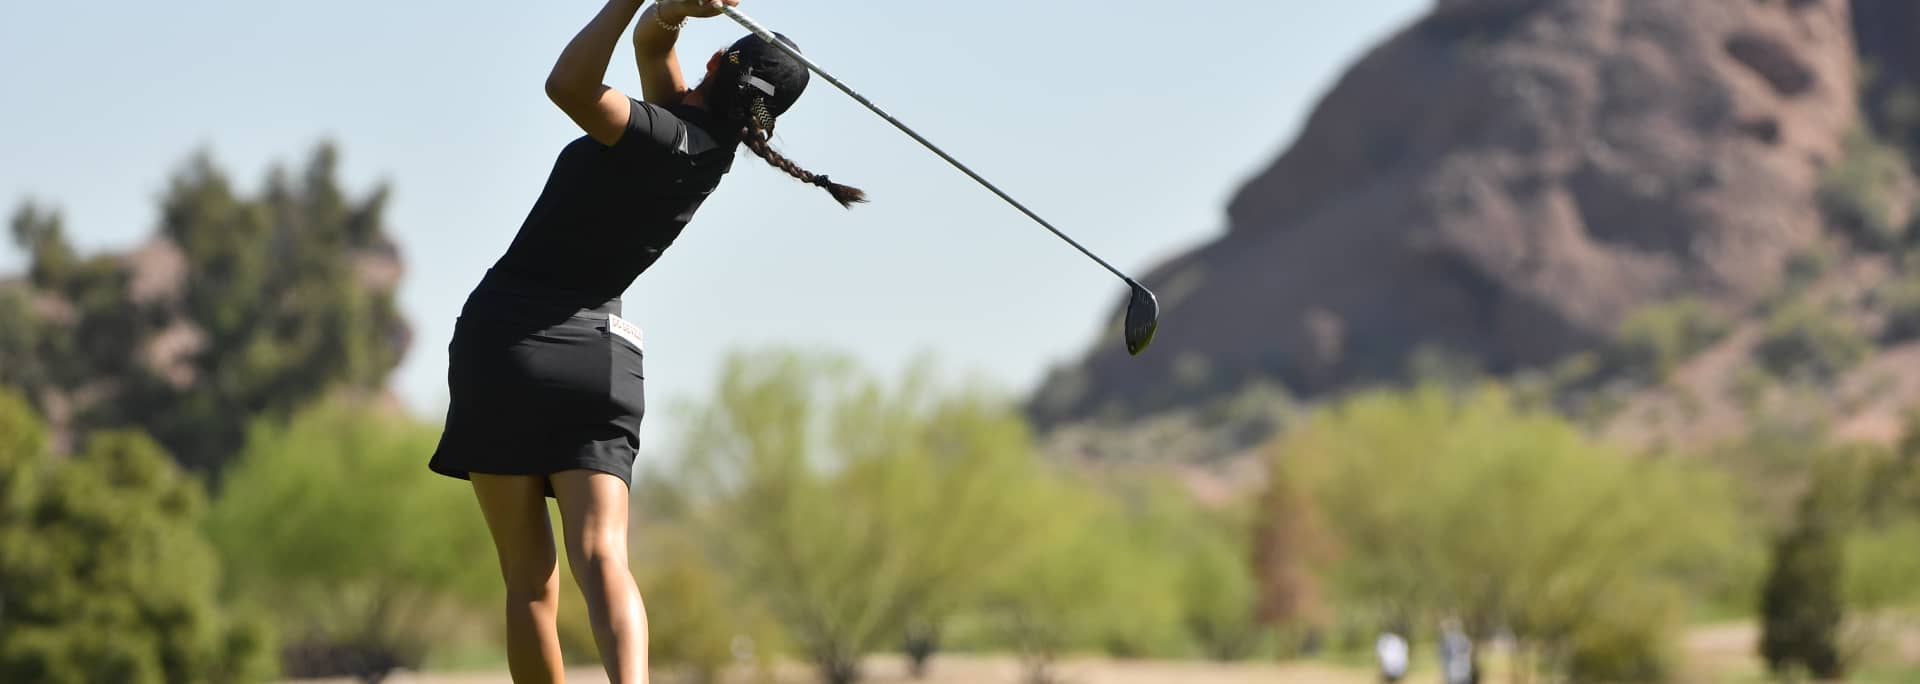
{"points": [[756, 83], [757, 134]]}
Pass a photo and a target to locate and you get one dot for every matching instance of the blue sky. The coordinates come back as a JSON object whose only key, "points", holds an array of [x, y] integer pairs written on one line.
{"points": [[1129, 123]]}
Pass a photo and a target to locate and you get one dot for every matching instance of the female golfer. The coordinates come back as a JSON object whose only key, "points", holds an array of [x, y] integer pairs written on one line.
{"points": [[545, 374]]}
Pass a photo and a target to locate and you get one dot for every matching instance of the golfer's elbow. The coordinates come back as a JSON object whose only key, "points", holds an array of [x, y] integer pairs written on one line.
{"points": [[559, 91], [568, 94]]}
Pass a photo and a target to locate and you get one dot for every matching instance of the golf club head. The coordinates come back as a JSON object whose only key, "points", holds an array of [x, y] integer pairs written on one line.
{"points": [[1143, 318]]}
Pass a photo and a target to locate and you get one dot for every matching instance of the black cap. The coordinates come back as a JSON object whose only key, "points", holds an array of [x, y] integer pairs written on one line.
{"points": [[752, 66]]}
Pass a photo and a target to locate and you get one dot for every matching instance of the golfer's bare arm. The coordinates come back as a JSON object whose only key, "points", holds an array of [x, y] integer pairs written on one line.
{"points": [[577, 83], [660, 80]]}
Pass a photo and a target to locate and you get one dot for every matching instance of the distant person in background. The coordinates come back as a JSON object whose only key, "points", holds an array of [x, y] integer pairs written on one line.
{"points": [[545, 375], [1456, 654], [1393, 653]]}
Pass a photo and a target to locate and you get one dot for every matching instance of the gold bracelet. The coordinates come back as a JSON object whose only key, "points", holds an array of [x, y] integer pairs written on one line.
{"points": [[663, 23]]}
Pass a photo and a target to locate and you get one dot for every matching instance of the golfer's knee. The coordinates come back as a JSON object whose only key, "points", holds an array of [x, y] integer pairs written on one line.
{"points": [[543, 593], [600, 563], [595, 557], [533, 597], [532, 582]]}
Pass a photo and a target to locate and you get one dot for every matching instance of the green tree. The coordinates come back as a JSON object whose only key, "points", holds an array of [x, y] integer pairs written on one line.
{"points": [[852, 509], [71, 319], [1880, 596], [1289, 545], [284, 288], [694, 617], [1842, 519], [278, 300], [1161, 536], [368, 560], [104, 576], [1131, 565], [1440, 503], [1219, 598], [42, 233], [1877, 587], [1069, 592], [20, 339], [1801, 605]]}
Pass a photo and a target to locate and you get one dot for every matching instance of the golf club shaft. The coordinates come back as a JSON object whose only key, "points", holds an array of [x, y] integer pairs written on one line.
{"points": [[768, 36]]}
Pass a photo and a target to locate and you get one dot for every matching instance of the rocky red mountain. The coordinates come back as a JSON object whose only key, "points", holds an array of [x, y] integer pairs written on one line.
{"points": [[1509, 181]]}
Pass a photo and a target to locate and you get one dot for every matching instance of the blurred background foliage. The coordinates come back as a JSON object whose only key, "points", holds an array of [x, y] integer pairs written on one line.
{"points": [[280, 522], [105, 575], [1441, 504], [363, 558], [240, 307]]}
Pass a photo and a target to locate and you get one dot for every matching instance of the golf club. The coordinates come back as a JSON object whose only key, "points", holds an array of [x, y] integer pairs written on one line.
{"points": [[1143, 309]]}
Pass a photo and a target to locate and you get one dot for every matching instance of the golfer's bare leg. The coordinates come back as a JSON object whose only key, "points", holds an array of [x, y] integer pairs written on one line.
{"points": [[593, 517], [516, 510]]}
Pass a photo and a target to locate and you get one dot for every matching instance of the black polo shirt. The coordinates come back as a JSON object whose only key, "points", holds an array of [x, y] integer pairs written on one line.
{"points": [[608, 212]]}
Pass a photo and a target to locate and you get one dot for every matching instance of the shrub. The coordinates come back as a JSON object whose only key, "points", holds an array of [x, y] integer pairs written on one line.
{"points": [[1627, 639], [1862, 193], [104, 576], [1397, 479], [1749, 387], [1655, 340], [693, 619], [368, 560], [1163, 539], [1288, 543], [1806, 341], [1217, 593], [1881, 564], [1900, 115], [1805, 267], [1065, 596], [852, 509], [1901, 300]]}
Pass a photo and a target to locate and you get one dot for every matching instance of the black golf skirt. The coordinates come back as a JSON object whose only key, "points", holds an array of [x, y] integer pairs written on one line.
{"points": [[541, 383]]}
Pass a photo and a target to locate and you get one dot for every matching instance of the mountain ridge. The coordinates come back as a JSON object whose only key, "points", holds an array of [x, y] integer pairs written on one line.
{"points": [[1511, 182]]}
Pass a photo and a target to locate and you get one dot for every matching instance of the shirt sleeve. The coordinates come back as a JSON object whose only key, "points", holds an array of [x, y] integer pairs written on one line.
{"points": [[650, 129]]}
